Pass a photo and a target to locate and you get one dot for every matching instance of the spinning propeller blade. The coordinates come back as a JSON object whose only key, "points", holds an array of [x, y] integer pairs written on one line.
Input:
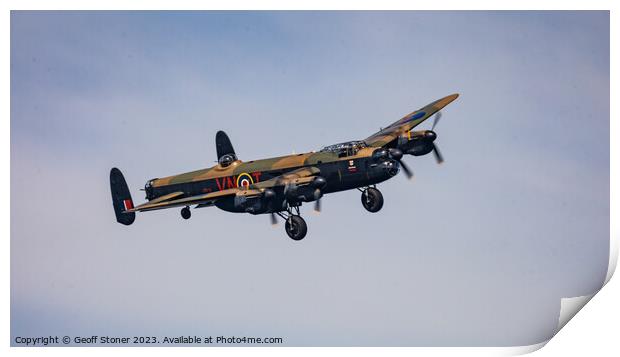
{"points": [[438, 156], [436, 152], [274, 219], [406, 170], [317, 206], [437, 117]]}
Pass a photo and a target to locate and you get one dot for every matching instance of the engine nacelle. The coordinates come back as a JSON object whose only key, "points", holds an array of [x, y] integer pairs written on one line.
{"points": [[417, 143], [382, 154], [308, 193], [250, 204], [419, 148]]}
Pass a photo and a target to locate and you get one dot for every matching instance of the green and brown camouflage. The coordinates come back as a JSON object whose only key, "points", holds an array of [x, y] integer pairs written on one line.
{"points": [[379, 139], [238, 167], [276, 184], [405, 124]]}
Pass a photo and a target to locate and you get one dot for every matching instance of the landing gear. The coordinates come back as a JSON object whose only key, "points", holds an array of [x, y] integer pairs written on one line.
{"points": [[295, 226], [186, 213], [372, 199]]}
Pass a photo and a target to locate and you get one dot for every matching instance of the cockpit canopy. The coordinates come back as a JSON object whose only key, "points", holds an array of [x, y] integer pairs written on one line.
{"points": [[348, 148]]}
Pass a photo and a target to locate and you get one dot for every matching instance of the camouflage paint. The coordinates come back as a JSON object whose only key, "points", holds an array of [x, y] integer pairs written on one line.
{"points": [[254, 177]]}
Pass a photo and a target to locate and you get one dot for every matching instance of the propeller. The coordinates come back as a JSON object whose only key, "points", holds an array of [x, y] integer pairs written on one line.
{"points": [[317, 206], [436, 151], [397, 154], [274, 219], [406, 169], [317, 203], [436, 120], [438, 156]]}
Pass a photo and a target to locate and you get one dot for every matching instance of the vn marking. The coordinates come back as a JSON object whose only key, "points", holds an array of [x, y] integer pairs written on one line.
{"points": [[242, 180]]}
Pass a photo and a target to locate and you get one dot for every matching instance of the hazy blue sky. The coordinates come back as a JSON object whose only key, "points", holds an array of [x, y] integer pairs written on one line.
{"points": [[477, 251]]}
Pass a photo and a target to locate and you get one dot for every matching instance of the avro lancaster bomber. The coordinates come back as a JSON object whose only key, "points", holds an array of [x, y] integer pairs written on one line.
{"points": [[280, 185]]}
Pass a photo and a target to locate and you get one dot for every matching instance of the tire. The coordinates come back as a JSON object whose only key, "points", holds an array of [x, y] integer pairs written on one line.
{"points": [[372, 200], [296, 227], [186, 213]]}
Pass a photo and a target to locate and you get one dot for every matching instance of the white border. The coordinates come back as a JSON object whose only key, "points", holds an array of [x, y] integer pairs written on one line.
{"points": [[600, 326], [310, 5]]}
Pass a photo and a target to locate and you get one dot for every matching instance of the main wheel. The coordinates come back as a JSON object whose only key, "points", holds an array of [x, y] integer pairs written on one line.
{"points": [[186, 213], [372, 199], [296, 227]]}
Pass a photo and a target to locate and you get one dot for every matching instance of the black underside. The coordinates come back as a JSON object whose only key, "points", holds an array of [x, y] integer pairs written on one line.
{"points": [[340, 176]]}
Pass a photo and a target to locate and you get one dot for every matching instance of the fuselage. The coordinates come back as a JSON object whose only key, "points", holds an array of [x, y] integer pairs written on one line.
{"points": [[341, 172]]}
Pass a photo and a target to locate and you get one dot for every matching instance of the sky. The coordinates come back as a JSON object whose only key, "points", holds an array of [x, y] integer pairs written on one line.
{"points": [[477, 251]]}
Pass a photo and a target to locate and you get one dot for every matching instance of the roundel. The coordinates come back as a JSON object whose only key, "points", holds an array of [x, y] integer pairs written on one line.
{"points": [[414, 116], [244, 180], [417, 115]]}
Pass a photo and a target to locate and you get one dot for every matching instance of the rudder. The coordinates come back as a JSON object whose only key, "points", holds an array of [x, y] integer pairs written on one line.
{"points": [[121, 197], [223, 145]]}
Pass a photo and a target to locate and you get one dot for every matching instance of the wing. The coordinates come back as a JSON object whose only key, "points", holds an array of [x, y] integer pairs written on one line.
{"points": [[408, 122], [205, 199], [300, 177]]}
